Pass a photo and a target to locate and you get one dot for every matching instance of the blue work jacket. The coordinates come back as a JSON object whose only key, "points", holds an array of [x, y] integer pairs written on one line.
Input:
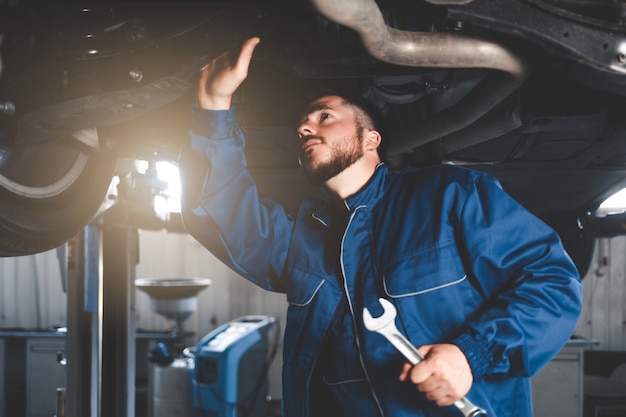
{"points": [[461, 260]]}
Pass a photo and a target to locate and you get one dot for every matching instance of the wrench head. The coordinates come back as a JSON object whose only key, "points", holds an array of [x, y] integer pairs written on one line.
{"points": [[376, 323]]}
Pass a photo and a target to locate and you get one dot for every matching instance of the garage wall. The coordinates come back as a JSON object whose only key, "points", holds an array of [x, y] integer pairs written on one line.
{"points": [[604, 296], [31, 291], [32, 294]]}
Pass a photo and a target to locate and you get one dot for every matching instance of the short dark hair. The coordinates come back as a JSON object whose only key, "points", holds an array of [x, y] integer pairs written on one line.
{"points": [[367, 113]]}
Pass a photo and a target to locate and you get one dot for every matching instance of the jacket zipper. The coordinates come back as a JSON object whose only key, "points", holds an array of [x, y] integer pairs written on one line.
{"points": [[356, 334]]}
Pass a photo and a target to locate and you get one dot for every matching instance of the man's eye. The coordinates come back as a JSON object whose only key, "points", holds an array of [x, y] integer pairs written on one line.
{"points": [[324, 116]]}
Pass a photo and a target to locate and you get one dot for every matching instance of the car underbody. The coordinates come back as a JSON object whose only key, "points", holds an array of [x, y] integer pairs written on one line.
{"points": [[531, 91]]}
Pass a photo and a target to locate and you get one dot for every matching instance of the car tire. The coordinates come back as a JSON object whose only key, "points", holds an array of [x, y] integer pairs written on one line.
{"points": [[44, 206]]}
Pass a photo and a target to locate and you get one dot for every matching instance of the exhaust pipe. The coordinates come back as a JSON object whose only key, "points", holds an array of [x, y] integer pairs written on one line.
{"points": [[431, 50]]}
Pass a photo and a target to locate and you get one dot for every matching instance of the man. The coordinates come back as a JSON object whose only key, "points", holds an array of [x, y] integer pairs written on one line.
{"points": [[482, 287]]}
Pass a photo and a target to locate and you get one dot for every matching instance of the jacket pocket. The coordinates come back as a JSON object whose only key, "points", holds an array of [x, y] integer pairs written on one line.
{"points": [[424, 271], [303, 287], [432, 294]]}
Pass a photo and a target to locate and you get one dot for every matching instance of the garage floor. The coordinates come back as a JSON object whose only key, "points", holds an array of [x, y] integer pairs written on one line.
{"points": [[273, 410]]}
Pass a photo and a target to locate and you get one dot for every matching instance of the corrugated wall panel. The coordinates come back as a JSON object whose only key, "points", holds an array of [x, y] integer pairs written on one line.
{"points": [[604, 296], [31, 292]]}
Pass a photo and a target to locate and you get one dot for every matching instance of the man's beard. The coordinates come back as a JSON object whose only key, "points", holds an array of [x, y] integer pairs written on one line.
{"points": [[342, 156]]}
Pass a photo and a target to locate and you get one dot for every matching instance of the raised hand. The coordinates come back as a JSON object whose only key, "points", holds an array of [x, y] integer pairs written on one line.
{"points": [[221, 77]]}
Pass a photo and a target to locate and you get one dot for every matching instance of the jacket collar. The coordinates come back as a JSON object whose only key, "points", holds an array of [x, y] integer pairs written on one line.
{"points": [[367, 196]]}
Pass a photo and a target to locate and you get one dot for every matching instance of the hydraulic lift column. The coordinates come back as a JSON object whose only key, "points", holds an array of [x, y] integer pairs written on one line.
{"points": [[119, 256], [82, 339]]}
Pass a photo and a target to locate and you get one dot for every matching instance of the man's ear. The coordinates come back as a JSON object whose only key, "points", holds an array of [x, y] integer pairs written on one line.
{"points": [[372, 140]]}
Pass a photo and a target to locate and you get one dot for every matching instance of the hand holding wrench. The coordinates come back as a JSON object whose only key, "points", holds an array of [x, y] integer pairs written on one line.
{"points": [[385, 325]]}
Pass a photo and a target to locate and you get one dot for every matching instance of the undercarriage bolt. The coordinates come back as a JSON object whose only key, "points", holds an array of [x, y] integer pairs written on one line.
{"points": [[136, 75], [7, 108]]}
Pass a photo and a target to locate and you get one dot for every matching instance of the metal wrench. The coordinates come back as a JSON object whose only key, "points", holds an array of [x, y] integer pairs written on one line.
{"points": [[386, 325]]}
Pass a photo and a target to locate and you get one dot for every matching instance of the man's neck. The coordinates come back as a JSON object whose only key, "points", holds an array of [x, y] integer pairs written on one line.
{"points": [[351, 180]]}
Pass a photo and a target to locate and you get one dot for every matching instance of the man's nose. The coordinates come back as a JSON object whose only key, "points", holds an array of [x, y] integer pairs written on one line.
{"points": [[305, 129]]}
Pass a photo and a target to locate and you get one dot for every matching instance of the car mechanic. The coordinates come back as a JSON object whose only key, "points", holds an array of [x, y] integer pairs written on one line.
{"points": [[481, 286]]}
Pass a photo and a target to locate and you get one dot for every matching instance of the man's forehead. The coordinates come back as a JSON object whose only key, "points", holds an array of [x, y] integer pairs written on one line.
{"points": [[324, 103]]}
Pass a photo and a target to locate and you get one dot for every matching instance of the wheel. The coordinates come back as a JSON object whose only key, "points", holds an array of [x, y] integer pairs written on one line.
{"points": [[49, 191]]}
